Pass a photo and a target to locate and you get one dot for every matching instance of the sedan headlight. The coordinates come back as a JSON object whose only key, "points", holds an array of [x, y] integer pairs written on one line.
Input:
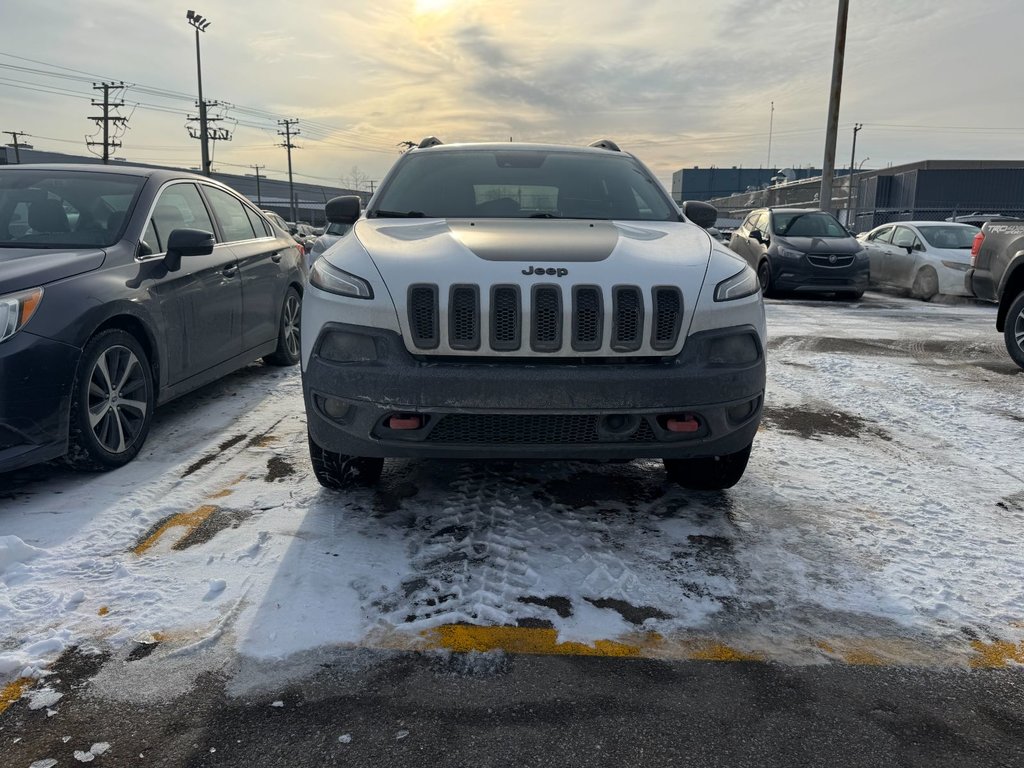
{"points": [[742, 284], [333, 280], [789, 253], [959, 266], [16, 310]]}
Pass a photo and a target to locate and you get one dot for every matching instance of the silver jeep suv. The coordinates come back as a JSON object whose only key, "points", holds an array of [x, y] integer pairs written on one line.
{"points": [[519, 300]]}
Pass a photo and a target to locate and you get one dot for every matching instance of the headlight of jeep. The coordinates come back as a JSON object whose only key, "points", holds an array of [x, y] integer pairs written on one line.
{"points": [[16, 310], [334, 280], [743, 283], [789, 253], [734, 349]]}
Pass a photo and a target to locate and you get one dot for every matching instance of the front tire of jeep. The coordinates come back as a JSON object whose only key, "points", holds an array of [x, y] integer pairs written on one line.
{"points": [[339, 471], [711, 473], [1013, 331]]}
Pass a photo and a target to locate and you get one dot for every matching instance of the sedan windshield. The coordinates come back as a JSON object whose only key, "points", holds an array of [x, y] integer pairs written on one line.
{"points": [[64, 209], [807, 224], [948, 236], [520, 184]]}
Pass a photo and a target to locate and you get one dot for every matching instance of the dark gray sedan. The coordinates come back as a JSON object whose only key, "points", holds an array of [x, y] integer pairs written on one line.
{"points": [[123, 288]]}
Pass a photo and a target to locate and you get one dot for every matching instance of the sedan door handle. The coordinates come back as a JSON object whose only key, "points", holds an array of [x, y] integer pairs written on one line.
{"points": [[276, 257], [230, 271]]}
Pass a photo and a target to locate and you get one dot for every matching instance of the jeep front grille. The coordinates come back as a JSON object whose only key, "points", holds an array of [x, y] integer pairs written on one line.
{"points": [[553, 320], [423, 316]]}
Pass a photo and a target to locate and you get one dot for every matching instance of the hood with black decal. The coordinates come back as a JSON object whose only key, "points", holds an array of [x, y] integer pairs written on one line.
{"points": [[22, 268], [488, 251]]}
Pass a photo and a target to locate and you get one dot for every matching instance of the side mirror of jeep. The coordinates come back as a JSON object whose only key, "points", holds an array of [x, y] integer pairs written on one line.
{"points": [[343, 210], [700, 213]]}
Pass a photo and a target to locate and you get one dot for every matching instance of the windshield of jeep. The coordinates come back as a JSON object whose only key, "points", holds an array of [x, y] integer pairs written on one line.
{"points": [[519, 184]]}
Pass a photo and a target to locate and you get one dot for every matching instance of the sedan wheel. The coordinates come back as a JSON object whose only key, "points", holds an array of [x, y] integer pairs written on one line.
{"points": [[289, 334], [1014, 330], [113, 402]]}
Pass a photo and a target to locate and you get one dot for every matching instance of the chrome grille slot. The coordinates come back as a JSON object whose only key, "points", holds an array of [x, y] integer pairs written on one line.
{"points": [[668, 317], [423, 320], [628, 318], [587, 318], [825, 259], [506, 318], [546, 329], [464, 317]]}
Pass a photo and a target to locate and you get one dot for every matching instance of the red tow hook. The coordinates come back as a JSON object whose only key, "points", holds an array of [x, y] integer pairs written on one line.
{"points": [[682, 424], [405, 421]]}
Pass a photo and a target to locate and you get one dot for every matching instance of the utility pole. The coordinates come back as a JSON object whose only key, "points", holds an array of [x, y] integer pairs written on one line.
{"points": [[259, 197], [372, 182], [287, 144], [103, 121], [832, 126], [849, 192], [14, 135], [771, 123]]}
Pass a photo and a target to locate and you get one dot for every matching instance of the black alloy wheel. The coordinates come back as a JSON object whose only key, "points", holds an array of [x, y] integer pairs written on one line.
{"points": [[764, 277], [1013, 332], [112, 402]]}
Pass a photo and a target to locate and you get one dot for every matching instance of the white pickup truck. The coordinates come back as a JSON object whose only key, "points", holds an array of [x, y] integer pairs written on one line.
{"points": [[530, 301]]}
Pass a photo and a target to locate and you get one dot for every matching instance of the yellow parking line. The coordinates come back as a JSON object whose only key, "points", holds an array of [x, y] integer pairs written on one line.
{"points": [[996, 655], [11, 692], [187, 520], [463, 638]]}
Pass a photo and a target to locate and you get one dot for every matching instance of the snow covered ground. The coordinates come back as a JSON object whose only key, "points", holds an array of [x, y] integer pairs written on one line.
{"points": [[881, 517]]}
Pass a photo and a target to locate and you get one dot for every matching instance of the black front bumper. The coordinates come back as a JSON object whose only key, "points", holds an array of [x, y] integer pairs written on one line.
{"points": [[36, 376], [803, 276], [532, 408]]}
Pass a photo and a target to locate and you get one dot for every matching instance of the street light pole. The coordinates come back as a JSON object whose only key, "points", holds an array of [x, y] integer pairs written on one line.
{"points": [[200, 25], [849, 191]]}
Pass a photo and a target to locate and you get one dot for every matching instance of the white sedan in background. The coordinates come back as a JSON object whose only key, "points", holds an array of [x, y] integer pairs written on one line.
{"points": [[924, 258]]}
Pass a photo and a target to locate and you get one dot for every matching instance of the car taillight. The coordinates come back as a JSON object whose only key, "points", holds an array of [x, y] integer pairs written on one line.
{"points": [[976, 248]]}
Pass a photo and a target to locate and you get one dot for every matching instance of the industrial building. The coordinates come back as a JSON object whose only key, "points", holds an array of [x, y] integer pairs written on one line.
{"points": [[706, 183], [271, 194], [930, 189]]}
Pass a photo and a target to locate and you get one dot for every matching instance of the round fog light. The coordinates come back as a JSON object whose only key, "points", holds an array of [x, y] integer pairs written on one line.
{"points": [[336, 409]]}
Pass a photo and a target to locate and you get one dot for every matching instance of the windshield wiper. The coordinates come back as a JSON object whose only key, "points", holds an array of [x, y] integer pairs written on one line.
{"points": [[400, 214], [543, 216]]}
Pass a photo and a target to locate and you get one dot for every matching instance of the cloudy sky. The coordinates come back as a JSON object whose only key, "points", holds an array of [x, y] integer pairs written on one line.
{"points": [[678, 82]]}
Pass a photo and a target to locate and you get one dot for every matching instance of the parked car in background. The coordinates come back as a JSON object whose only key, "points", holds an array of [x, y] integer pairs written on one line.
{"points": [[331, 235], [977, 219], [922, 258], [801, 250], [997, 274], [128, 288]]}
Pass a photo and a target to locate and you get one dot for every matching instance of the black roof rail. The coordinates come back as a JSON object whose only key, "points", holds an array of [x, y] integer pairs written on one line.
{"points": [[608, 144], [430, 141]]}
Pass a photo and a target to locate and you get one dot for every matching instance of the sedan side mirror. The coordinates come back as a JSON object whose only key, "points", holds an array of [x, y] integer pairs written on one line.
{"points": [[187, 242], [343, 210], [757, 234], [702, 214]]}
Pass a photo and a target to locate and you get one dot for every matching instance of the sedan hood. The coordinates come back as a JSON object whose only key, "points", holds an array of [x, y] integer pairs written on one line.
{"points": [[22, 268], [489, 251], [820, 244]]}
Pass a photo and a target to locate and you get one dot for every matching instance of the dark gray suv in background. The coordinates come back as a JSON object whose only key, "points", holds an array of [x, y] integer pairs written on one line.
{"points": [[796, 249], [120, 289]]}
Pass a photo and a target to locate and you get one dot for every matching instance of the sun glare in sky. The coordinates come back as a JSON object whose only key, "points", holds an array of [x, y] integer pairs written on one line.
{"points": [[432, 6]]}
